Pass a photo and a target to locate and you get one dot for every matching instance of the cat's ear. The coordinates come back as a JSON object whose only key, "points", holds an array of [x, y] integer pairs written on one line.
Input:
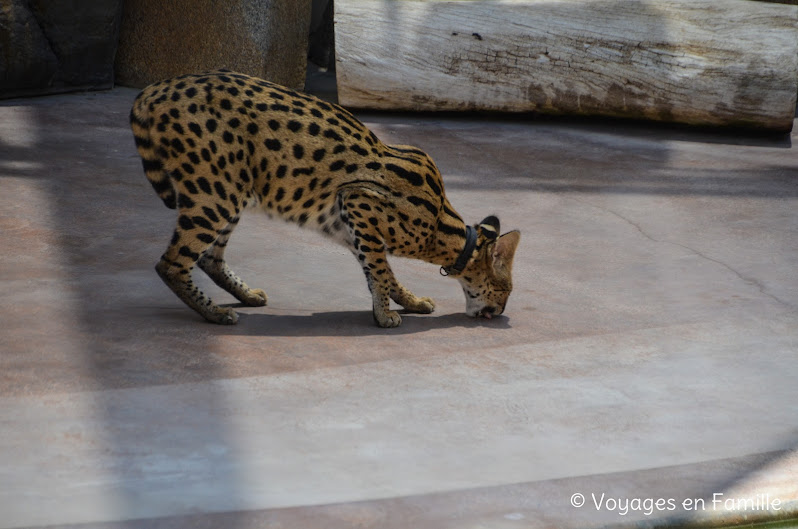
{"points": [[504, 251], [489, 228]]}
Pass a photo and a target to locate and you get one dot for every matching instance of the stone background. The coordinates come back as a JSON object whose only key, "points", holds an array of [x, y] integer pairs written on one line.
{"points": [[264, 38], [65, 45], [48, 47]]}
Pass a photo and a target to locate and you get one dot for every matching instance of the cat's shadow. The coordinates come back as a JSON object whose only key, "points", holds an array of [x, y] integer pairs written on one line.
{"points": [[351, 323]]}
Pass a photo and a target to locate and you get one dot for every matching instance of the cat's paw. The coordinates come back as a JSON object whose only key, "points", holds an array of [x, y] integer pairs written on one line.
{"points": [[255, 297], [388, 319], [420, 305], [222, 316]]}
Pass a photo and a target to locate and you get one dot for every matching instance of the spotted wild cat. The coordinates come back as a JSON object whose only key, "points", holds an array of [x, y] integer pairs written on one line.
{"points": [[215, 143]]}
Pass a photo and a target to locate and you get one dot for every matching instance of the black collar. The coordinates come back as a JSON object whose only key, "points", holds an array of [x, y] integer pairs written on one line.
{"points": [[462, 259]]}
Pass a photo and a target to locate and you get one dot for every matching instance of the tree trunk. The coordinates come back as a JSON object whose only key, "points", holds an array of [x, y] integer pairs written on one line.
{"points": [[699, 62]]}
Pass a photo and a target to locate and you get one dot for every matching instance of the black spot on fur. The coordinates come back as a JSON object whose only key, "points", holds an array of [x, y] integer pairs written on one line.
{"points": [[418, 201], [184, 201], [210, 214], [223, 212], [410, 176], [202, 222], [433, 185], [152, 165], [185, 251], [331, 134], [219, 188], [142, 142], [185, 223]]}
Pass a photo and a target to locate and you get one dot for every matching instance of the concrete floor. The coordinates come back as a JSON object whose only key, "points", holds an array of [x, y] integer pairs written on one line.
{"points": [[649, 351]]}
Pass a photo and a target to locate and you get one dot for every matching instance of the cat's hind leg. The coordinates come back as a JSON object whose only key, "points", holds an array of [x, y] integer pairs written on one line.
{"points": [[212, 263], [195, 233]]}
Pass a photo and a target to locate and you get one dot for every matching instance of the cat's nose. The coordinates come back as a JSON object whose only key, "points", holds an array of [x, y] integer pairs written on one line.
{"points": [[488, 312]]}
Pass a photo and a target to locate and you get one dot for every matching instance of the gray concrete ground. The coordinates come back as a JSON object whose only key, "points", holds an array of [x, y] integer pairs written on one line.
{"points": [[644, 373]]}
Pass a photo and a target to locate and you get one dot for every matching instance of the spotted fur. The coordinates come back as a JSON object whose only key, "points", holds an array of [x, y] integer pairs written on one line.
{"points": [[213, 144]]}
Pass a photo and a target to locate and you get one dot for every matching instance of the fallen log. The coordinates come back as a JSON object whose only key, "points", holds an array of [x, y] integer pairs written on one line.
{"points": [[699, 62]]}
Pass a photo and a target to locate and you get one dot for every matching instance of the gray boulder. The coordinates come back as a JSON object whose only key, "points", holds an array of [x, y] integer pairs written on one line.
{"points": [[264, 38], [57, 46]]}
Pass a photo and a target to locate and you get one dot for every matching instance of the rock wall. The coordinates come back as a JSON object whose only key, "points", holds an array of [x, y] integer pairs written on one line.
{"points": [[56, 46], [264, 38]]}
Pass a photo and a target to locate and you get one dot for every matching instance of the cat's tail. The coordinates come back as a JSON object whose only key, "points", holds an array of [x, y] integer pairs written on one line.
{"points": [[141, 122]]}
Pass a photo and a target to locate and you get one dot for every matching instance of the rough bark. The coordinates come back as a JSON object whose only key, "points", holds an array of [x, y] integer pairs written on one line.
{"points": [[701, 62]]}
